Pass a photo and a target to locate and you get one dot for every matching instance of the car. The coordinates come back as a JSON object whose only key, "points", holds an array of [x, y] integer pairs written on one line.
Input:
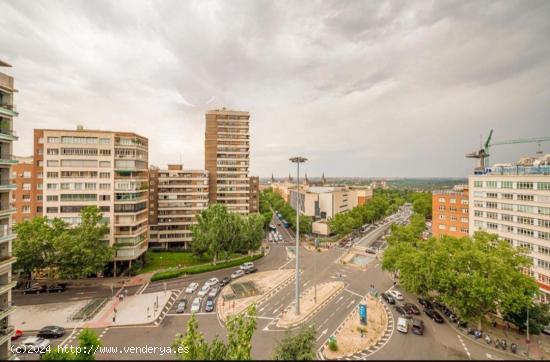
{"points": [[432, 313], [212, 281], [225, 281], [196, 305], [417, 327], [396, 294], [181, 306], [17, 334], [251, 270], [247, 265], [425, 303], [51, 332], [388, 298], [402, 325], [209, 307], [402, 311], [35, 289], [202, 292], [411, 308], [213, 292], [34, 345], [237, 274], [191, 288], [546, 330], [371, 250], [57, 288]]}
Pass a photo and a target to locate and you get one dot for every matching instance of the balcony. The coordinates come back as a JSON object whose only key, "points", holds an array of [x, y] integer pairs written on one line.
{"points": [[7, 159], [5, 184], [7, 135], [5, 311], [5, 335], [8, 110], [6, 287], [6, 260], [6, 234]]}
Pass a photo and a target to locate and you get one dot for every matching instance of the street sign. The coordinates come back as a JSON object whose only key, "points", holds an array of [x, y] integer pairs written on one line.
{"points": [[363, 313]]}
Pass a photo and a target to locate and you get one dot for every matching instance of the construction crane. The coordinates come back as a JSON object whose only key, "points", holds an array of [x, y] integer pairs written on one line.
{"points": [[483, 153]]}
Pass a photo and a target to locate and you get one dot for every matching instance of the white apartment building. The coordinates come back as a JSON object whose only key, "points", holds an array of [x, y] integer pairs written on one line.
{"points": [[176, 196], [514, 202], [79, 168]]}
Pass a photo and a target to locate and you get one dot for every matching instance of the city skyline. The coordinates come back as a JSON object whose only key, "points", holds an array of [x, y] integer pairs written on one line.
{"points": [[383, 89]]}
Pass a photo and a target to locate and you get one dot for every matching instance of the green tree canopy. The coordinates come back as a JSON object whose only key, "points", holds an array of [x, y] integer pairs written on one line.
{"points": [[300, 347]]}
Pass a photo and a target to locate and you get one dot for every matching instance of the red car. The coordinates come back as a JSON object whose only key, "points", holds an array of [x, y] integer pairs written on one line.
{"points": [[18, 333]]}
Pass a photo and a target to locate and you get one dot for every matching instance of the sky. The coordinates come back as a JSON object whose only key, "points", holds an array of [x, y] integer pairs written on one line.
{"points": [[360, 88]]}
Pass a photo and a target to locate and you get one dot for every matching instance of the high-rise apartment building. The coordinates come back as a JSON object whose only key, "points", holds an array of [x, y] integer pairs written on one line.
{"points": [[21, 177], [450, 212], [7, 136], [227, 151], [514, 202], [78, 168], [176, 196]]}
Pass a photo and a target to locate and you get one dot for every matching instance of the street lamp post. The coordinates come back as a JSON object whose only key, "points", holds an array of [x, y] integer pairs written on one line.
{"points": [[297, 160], [315, 270]]}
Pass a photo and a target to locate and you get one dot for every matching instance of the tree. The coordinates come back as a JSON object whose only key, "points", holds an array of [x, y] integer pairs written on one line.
{"points": [[422, 204], [34, 247], [539, 317], [252, 232], [297, 348], [240, 329], [81, 251], [88, 343]]}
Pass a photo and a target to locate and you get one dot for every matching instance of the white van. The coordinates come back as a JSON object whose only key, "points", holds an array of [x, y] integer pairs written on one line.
{"points": [[402, 325], [247, 265]]}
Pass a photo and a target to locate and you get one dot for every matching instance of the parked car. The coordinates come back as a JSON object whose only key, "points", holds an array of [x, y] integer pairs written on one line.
{"points": [[402, 325], [196, 305], [191, 288], [17, 334], [432, 313], [411, 308], [237, 274], [402, 311], [213, 292], [251, 270], [209, 307], [388, 298], [225, 281], [417, 327], [51, 332], [396, 294], [247, 265], [35, 289], [34, 345], [57, 288], [205, 288], [425, 303], [212, 281], [181, 306]]}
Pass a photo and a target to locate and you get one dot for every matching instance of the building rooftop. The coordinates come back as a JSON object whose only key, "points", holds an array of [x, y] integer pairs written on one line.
{"points": [[4, 64], [518, 170]]}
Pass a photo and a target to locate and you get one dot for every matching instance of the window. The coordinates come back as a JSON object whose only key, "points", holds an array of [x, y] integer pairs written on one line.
{"points": [[464, 202], [50, 210], [525, 245], [544, 235], [78, 197], [26, 187], [464, 220], [478, 184], [544, 210], [105, 152], [525, 185], [39, 175], [104, 163], [491, 184], [53, 151], [526, 232], [51, 186], [52, 198], [507, 217], [452, 201], [52, 174], [525, 209], [79, 163], [79, 140], [53, 163], [464, 211], [39, 209], [104, 141], [79, 151], [526, 197], [452, 228], [491, 205], [492, 226], [441, 199], [492, 195], [526, 220], [508, 228], [104, 186], [53, 140], [441, 208], [27, 174], [104, 197], [38, 197], [544, 250], [478, 203], [464, 230], [508, 207], [41, 141], [442, 227], [441, 217], [508, 196], [478, 193], [492, 215], [26, 197], [543, 264], [104, 175], [26, 209], [544, 223], [39, 186], [507, 185], [543, 186]]}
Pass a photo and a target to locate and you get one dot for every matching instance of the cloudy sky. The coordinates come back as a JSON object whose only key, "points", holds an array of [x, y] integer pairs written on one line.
{"points": [[391, 88]]}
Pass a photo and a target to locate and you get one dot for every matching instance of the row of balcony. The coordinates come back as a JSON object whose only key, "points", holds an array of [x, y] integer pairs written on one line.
{"points": [[8, 110]]}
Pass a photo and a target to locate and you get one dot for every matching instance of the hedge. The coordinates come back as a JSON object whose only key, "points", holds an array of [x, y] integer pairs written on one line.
{"points": [[203, 268]]}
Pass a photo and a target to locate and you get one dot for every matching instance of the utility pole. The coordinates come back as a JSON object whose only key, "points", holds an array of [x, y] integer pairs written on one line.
{"points": [[528, 340], [297, 161], [315, 269]]}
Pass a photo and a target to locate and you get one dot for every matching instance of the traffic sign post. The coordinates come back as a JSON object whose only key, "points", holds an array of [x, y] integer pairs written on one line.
{"points": [[363, 313]]}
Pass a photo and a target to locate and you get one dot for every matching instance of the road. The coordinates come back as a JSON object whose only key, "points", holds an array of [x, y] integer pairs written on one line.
{"points": [[441, 341]]}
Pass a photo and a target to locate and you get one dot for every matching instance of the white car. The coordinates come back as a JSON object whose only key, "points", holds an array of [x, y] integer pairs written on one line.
{"points": [[191, 288], [237, 273], [402, 325], [396, 294], [247, 265], [214, 291], [212, 281], [205, 288], [196, 305], [34, 345]]}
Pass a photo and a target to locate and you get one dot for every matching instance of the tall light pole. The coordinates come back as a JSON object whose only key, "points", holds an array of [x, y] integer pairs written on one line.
{"points": [[297, 160]]}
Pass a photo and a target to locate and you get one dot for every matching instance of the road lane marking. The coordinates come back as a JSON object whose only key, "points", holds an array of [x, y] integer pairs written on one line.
{"points": [[322, 334], [464, 346], [352, 292]]}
